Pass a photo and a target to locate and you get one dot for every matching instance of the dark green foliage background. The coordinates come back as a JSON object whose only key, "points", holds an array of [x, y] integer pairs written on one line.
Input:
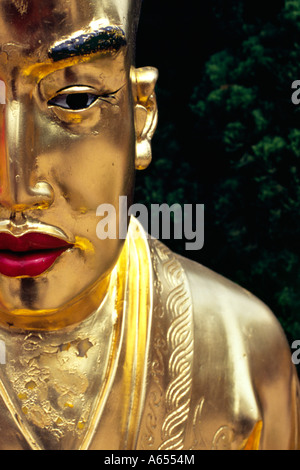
{"points": [[229, 137]]}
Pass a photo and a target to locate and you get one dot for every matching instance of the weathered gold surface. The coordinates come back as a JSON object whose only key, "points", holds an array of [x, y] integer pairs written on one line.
{"points": [[120, 344]]}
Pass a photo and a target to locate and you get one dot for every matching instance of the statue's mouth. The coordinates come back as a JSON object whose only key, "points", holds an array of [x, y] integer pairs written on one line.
{"points": [[30, 254]]}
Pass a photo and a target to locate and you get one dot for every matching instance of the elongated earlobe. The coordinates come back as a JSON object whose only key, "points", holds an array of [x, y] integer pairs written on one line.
{"points": [[143, 82]]}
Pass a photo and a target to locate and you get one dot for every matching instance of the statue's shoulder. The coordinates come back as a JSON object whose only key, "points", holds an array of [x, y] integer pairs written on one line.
{"points": [[219, 361], [228, 309], [214, 294], [222, 311]]}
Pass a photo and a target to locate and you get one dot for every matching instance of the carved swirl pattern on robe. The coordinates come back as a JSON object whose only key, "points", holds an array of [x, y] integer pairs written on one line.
{"points": [[180, 343], [222, 438]]}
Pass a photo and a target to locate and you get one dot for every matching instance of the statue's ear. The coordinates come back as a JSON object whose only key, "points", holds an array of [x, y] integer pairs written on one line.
{"points": [[145, 113]]}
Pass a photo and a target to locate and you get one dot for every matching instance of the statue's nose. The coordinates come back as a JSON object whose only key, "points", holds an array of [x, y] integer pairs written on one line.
{"points": [[21, 189]]}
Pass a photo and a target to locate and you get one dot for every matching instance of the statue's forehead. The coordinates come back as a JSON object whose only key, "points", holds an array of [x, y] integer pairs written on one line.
{"points": [[34, 22]]}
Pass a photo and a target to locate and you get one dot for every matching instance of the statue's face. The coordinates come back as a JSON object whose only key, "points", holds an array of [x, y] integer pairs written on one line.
{"points": [[67, 146]]}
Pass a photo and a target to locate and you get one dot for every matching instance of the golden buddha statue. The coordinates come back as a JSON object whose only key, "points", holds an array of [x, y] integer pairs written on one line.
{"points": [[112, 343]]}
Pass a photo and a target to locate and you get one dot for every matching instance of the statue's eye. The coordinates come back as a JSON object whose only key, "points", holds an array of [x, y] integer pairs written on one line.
{"points": [[73, 101]]}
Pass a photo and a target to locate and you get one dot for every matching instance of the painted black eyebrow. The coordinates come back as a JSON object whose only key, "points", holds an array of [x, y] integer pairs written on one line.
{"points": [[110, 38]]}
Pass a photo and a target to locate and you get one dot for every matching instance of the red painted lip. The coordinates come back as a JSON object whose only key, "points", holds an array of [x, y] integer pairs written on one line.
{"points": [[29, 255]]}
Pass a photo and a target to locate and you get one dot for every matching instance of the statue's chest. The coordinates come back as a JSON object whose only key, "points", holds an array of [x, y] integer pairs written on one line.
{"points": [[53, 386]]}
